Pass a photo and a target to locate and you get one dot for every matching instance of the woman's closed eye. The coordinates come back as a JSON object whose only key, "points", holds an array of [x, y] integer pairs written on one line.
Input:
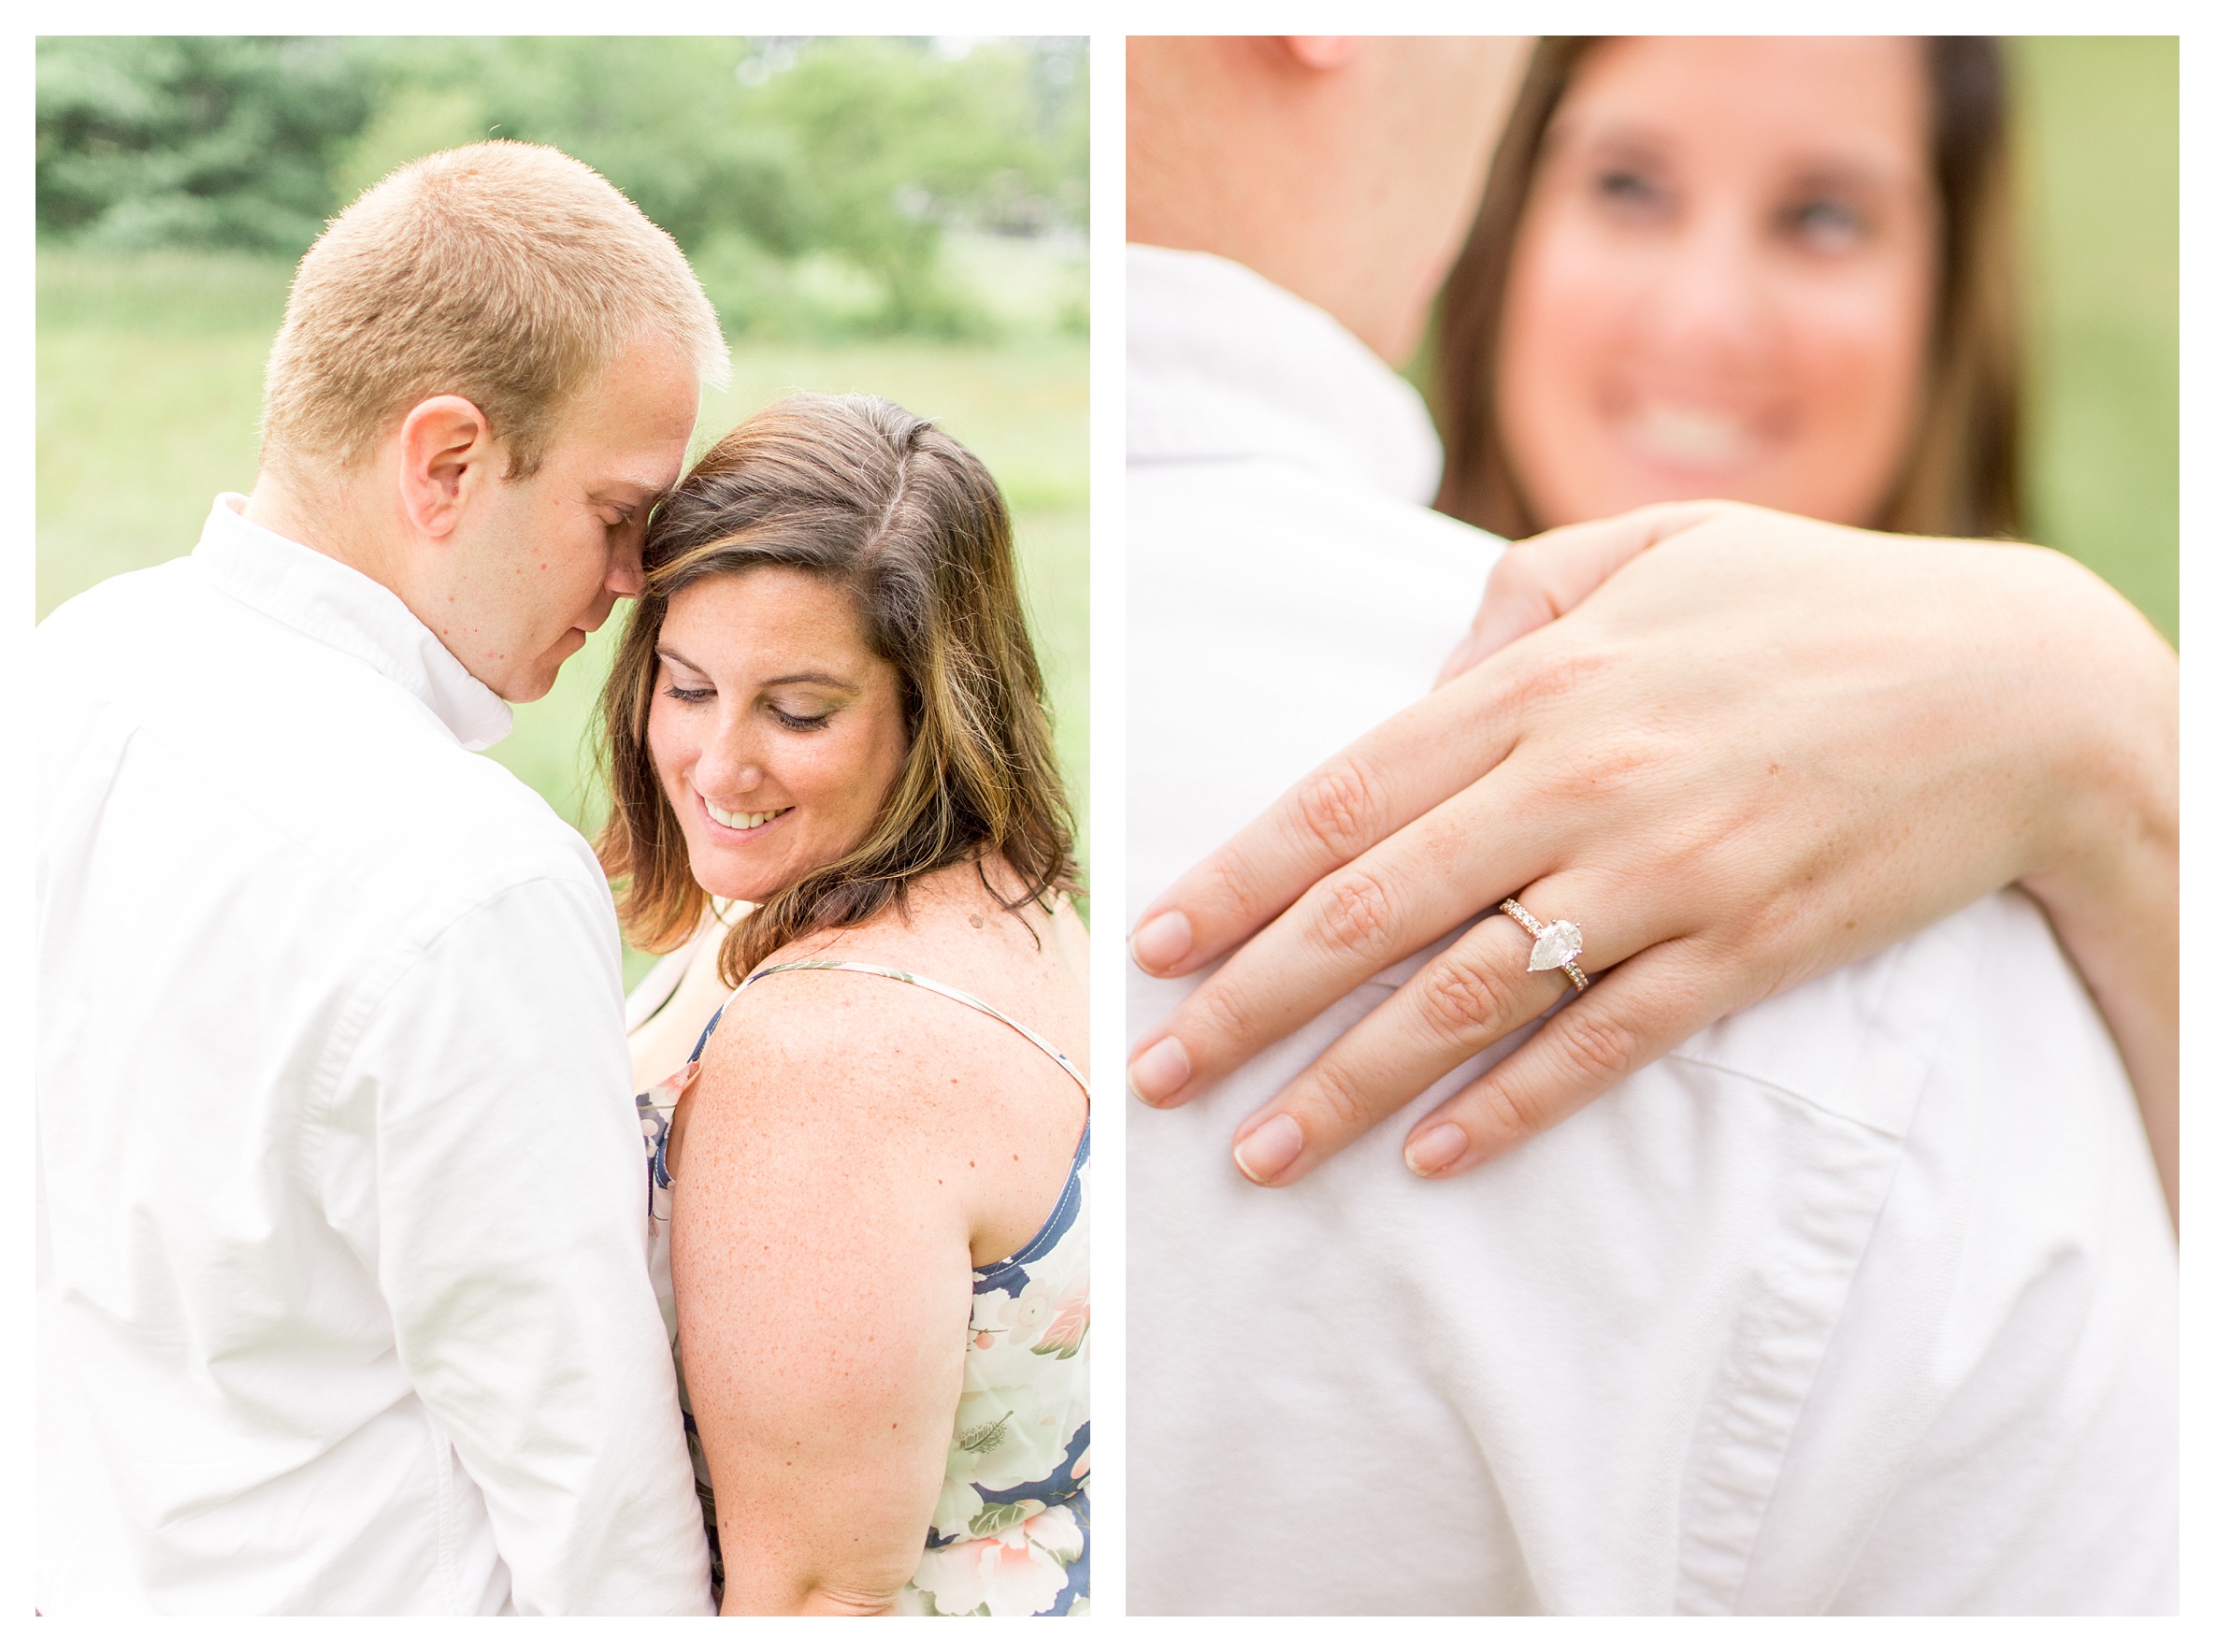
{"points": [[689, 696], [800, 722]]}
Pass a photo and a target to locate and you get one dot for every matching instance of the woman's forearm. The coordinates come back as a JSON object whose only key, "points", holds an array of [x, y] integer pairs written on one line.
{"points": [[2110, 886]]}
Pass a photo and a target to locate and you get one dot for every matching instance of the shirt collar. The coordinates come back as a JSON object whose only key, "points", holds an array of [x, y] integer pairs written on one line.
{"points": [[1224, 365], [325, 599]]}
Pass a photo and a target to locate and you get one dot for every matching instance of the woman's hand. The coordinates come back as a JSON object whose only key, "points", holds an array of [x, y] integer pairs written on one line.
{"points": [[1751, 748]]}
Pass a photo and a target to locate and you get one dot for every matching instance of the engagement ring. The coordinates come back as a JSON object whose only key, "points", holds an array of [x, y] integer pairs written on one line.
{"points": [[1559, 943]]}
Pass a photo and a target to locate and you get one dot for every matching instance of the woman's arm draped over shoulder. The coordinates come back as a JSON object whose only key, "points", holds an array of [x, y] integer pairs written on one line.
{"points": [[2108, 874], [823, 1282], [1753, 748]]}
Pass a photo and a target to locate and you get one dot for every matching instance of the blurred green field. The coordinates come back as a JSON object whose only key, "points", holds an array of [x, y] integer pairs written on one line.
{"points": [[150, 383], [2097, 149]]}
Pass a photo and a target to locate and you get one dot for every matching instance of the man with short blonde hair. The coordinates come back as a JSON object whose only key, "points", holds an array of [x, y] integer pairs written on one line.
{"points": [[506, 272], [344, 1297]]}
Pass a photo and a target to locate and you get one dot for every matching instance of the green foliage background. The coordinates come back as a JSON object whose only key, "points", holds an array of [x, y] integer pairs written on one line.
{"points": [[2096, 138], [869, 215], [811, 181]]}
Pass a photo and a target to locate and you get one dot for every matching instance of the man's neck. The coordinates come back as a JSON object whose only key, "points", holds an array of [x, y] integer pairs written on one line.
{"points": [[322, 515]]}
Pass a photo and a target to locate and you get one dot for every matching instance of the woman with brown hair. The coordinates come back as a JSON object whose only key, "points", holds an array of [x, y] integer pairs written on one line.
{"points": [[1775, 270], [870, 1183]]}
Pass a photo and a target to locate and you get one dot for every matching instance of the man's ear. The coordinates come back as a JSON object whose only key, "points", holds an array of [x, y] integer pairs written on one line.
{"points": [[447, 457], [1322, 51]]}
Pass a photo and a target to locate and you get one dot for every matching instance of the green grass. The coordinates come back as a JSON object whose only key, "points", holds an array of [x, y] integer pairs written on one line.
{"points": [[150, 383]]}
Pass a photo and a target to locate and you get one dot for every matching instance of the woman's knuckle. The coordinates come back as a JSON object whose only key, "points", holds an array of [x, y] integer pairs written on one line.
{"points": [[1232, 886], [1341, 807], [1512, 1109], [1334, 1100], [1224, 1014], [1600, 1044], [1458, 998], [1355, 915]]}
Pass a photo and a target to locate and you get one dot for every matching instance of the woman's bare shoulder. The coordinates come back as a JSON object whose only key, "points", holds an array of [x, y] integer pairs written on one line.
{"points": [[887, 1082], [823, 1025]]}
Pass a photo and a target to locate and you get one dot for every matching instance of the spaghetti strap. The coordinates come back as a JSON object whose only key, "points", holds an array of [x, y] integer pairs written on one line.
{"points": [[890, 974]]}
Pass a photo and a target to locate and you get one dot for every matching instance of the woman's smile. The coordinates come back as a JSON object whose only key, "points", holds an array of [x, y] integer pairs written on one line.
{"points": [[1690, 434], [741, 824]]}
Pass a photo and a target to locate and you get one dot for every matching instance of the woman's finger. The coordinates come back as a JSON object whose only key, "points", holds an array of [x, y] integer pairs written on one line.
{"points": [[1443, 743], [1642, 1008], [1419, 884], [1348, 805], [1470, 995], [1538, 580]]}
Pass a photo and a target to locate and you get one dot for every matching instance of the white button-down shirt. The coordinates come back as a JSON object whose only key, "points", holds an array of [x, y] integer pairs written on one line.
{"points": [[344, 1301], [1863, 1300]]}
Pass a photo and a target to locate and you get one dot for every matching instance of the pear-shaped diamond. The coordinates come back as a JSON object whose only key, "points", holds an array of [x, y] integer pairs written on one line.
{"points": [[1559, 943]]}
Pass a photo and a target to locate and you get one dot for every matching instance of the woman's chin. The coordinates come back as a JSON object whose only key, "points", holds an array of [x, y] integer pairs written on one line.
{"points": [[726, 883]]}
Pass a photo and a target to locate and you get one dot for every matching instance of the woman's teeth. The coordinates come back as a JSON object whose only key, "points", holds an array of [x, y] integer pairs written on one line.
{"points": [[1688, 436], [740, 823]]}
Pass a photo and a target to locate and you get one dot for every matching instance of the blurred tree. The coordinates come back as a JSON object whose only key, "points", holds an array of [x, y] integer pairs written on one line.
{"points": [[812, 181], [202, 140]]}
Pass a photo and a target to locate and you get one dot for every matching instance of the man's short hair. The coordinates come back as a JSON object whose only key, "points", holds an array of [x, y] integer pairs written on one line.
{"points": [[507, 273]]}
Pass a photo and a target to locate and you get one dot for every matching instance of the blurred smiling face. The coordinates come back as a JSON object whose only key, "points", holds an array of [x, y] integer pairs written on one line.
{"points": [[1724, 281], [776, 732]]}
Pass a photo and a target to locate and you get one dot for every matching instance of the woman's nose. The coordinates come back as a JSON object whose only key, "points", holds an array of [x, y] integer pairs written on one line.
{"points": [[1710, 304], [728, 767]]}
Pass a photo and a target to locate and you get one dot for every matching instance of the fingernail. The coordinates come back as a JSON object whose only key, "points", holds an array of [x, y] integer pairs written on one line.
{"points": [[1161, 941], [1439, 1148], [1160, 1071], [1269, 1152]]}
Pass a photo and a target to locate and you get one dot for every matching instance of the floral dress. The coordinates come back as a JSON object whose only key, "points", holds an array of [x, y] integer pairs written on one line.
{"points": [[1012, 1534]]}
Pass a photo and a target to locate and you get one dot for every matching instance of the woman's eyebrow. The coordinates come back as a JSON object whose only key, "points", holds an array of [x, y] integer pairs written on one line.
{"points": [[823, 679], [1844, 171]]}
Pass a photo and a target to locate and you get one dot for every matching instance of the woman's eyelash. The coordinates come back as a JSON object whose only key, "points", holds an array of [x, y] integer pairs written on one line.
{"points": [[693, 696]]}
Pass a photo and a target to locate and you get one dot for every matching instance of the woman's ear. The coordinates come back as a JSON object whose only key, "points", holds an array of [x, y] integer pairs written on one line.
{"points": [[446, 457]]}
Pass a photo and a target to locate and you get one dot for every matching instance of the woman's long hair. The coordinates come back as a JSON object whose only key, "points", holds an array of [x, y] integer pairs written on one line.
{"points": [[1960, 478], [878, 504]]}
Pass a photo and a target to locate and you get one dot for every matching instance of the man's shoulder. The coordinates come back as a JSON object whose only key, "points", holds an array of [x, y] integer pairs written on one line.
{"points": [[1262, 501], [340, 772], [1984, 994], [1258, 577], [145, 600]]}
